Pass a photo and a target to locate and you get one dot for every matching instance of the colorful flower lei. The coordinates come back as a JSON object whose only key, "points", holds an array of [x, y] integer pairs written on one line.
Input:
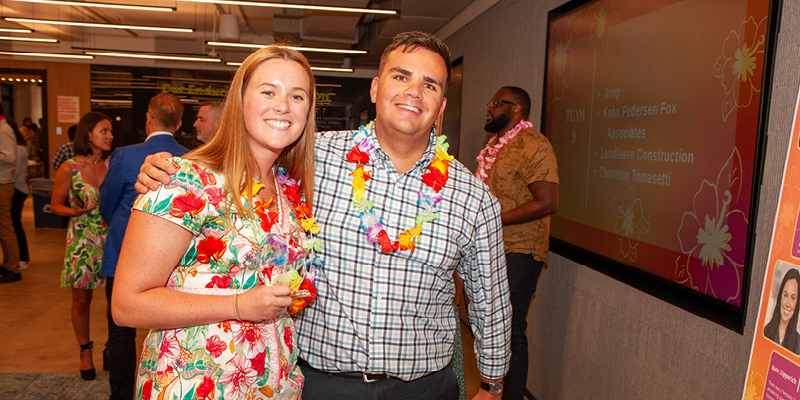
{"points": [[488, 155], [301, 282], [435, 179]]}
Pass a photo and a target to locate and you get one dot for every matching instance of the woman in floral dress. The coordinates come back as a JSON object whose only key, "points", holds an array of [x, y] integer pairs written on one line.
{"points": [[206, 256], [78, 180]]}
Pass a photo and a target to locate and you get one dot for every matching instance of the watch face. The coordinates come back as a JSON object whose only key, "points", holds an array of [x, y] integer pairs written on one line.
{"points": [[494, 388]]}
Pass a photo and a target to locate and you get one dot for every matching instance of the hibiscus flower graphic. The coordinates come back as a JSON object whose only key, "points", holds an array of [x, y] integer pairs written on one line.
{"points": [[755, 387], [561, 60], [742, 56], [631, 223], [712, 236], [785, 231], [602, 17]]}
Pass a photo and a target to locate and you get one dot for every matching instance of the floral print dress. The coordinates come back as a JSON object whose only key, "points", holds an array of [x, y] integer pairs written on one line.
{"points": [[229, 360], [86, 236]]}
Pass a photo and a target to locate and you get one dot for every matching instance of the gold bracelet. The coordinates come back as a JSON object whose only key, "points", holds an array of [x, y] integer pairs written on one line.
{"points": [[236, 306]]}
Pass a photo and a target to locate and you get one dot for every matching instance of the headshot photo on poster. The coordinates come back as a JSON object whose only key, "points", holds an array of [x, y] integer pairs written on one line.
{"points": [[782, 326]]}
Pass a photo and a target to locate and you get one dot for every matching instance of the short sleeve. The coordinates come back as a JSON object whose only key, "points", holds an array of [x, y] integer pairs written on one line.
{"points": [[538, 161], [185, 200]]}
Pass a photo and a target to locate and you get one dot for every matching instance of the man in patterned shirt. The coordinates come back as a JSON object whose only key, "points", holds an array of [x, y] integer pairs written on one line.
{"points": [[524, 178], [65, 151], [382, 324]]}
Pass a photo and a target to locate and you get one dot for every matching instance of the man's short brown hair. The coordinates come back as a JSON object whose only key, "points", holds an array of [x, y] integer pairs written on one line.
{"points": [[413, 40], [166, 109]]}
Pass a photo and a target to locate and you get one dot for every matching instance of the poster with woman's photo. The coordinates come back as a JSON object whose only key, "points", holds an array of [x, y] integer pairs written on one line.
{"points": [[782, 323], [774, 370]]}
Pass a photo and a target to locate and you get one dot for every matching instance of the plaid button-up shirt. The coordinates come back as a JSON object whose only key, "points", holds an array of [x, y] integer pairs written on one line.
{"points": [[64, 153], [393, 313]]}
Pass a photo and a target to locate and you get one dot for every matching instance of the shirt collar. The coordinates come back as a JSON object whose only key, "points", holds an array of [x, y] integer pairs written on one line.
{"points": [[378, 153], [157, 133]]}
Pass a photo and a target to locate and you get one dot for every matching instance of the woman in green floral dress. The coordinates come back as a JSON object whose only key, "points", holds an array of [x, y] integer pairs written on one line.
{"points": [[77, 180], [205, 256]]}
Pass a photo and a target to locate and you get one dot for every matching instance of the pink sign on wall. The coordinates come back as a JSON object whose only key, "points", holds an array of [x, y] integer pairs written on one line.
{"points": [[69, 109]]}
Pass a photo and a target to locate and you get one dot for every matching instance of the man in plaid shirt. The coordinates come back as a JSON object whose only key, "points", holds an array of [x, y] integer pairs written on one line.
{"points": [[382, 324], [65, 151]]}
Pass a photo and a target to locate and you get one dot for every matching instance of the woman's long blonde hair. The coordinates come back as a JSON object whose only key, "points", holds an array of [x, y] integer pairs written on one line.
{"points": [[229, 152]]}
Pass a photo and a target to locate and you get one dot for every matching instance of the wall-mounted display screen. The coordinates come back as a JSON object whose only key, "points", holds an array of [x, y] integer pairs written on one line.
{"points": [[655, 110]]}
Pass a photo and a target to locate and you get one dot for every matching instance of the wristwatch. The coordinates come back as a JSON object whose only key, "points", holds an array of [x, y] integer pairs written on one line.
{"points": [[493, 388]]}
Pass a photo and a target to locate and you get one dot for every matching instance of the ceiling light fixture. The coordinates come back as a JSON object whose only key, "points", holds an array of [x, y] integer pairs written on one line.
{"points": [[331, 69], [100, 5], [298, 48], [15, 30], [112, 101], [152, 56], [97, 25], [236, 64], [297, 6], [56, 55], [21, 39], [172, 78]]}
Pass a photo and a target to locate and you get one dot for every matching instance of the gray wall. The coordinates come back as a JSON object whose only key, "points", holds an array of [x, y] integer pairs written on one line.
{"points": [[591, 336]]}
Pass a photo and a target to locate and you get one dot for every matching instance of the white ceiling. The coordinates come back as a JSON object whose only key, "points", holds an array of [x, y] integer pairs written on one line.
{"points": [[256, 25]]}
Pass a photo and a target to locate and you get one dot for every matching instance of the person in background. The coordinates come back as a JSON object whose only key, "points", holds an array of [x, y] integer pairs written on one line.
{"points": [[20, 194], [207, 120], [117, 195], [65, 151], [77, 179], [205, 256], [519, 166], [398, 215], [782, 328], [28, 130], [8, 165]]}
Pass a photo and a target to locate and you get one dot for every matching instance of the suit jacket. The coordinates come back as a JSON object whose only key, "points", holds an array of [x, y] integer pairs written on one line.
{"points": [[117, 192]]}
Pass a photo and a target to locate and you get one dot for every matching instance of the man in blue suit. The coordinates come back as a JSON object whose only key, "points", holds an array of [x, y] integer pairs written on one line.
{"points": [[117, 195]]}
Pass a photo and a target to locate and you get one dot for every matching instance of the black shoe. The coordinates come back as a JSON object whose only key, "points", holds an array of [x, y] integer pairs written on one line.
{"points": [[4, 271], [11, 277], [87, 374]]}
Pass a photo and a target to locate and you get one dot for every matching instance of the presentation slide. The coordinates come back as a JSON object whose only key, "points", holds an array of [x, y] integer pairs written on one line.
{"points": [[653, 110]]}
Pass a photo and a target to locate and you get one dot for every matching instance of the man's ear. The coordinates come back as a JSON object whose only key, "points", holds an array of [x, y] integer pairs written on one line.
{"points": [[373, 90], [441, 109]]}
